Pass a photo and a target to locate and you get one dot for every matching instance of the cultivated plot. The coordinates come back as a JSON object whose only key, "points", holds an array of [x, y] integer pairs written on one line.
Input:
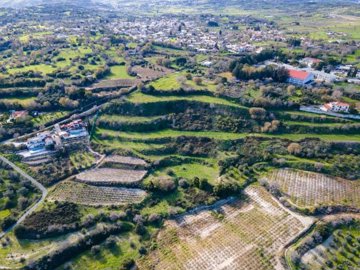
{"points": [[234, 235], [125, 160], [308, 189], [340, 251], [109, 176], [93, 195]]}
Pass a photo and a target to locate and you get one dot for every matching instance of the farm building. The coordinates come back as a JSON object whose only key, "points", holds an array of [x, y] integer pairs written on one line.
{"points": [[335, 107], [73, 133], [300, 77]]}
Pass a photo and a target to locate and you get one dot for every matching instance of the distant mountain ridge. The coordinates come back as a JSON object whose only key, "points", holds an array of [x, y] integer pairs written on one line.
{"points": [[121, 3], [27, 3]]}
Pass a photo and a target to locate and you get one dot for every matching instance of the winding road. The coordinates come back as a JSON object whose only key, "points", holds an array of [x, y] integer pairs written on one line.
{"points": [[35, 183]]}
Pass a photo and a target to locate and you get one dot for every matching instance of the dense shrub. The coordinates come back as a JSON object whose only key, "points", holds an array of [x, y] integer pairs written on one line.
{"points": [[63, 217]]}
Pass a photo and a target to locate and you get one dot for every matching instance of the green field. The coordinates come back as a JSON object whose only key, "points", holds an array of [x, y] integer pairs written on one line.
{"points": [[224, 135], [354, 58], [24, 101], [26, 38], [126, 118], [4, 213], [82, 160], [171, 134], [42, 68], [139, 97], [207, 170], [109, 258], [119, 72], [171, 82], [47, 117]]}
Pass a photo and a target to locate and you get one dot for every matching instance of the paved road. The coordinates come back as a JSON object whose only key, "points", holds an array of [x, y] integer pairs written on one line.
{"points": [[35, 183], [316, 109]]}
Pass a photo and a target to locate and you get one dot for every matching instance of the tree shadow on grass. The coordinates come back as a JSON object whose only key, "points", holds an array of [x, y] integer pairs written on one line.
{"points": [[116, 250]]}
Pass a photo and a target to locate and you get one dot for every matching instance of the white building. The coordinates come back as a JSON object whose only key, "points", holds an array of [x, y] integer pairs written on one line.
{"points": [[40, 142], [309, 61], [336, 107]]}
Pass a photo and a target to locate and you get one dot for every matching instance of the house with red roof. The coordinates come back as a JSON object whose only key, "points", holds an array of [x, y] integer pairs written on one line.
{"points": [[300, 77], [16, 115], [336, 106]]}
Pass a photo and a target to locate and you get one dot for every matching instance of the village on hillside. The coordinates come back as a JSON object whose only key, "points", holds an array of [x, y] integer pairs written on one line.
{"points": [[188, 135]]}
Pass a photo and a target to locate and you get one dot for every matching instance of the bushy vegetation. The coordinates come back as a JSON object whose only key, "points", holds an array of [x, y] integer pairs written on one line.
{"points": [[58, 219], [16, 195]]}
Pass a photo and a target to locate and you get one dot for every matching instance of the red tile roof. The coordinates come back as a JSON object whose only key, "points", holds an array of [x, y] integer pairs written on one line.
{"points": [[18, 114], [298, 74], [338, 103], [315, 60]]}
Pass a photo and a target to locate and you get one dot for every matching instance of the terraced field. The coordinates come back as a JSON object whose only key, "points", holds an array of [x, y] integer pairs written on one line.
{"points": [[139, 97], [81, 160], [308, 189], [109, 176], [230, 235], [125, 160], [169, 133], [93, 195]]}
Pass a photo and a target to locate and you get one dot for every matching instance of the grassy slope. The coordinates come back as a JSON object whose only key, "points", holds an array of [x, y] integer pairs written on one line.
{"points": [[225, 135], [170, 82], [139, 97], [119, 72]]}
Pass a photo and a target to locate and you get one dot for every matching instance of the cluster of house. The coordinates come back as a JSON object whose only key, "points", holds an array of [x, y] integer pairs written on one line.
{"points": [[340, 72], [304, 77], [193, 33], [307, 75], [73, 133]]}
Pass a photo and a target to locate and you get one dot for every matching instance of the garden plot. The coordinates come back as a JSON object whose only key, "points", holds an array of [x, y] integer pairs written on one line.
{"points": [[236, 235], [109, 176], [93, 195], [308, 189]]}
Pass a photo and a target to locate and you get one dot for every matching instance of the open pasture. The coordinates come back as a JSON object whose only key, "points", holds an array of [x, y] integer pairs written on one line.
{"points": [[109, 176], [119, 72], [232, 234], [308, 189], [93, 195]]}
